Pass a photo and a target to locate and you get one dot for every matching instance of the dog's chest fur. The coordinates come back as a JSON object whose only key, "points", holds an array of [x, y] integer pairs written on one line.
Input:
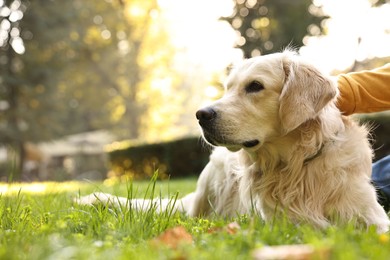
{"points": [[306, 175]]}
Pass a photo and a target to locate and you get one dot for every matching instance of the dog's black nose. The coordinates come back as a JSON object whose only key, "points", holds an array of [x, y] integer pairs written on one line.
{"points": [[206, 114]]}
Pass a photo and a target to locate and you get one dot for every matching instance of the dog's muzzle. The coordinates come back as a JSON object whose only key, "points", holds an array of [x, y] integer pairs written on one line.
{"points": [[207, 117]]}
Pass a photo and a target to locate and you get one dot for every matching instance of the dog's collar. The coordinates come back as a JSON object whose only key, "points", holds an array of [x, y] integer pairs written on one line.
{"points": [[318, 153]]}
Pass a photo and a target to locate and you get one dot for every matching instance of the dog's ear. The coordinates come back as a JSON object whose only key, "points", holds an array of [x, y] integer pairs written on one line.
{"points": [[305, 92]]}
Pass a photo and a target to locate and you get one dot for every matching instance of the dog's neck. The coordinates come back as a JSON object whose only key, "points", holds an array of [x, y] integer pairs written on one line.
{"points": [[297, 148], [270, 155], [317, 154]]}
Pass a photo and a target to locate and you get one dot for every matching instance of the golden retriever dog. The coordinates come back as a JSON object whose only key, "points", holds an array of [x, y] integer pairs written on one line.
{"points": [[282, 148]]}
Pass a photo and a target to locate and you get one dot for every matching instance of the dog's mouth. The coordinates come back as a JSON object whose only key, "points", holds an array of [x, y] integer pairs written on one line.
{"points": [[251, 143], [231, 145]]}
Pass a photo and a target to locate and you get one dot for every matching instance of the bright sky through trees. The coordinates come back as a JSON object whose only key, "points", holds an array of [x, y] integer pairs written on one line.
{"points": [[354, 31]]}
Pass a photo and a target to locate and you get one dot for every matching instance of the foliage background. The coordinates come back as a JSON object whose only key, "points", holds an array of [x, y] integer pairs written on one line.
{"points": [[68, 67]]}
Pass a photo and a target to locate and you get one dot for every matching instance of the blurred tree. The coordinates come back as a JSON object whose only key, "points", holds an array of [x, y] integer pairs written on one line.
{"points": [[265, 26], [12, 125], [154, 95], [75, 66]]}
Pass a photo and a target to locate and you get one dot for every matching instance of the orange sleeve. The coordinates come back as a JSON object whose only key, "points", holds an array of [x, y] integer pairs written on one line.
{"points": [[365, 91]]}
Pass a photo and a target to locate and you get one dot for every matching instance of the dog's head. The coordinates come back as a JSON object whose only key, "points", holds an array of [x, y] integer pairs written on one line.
{"points": [[266, 97]]}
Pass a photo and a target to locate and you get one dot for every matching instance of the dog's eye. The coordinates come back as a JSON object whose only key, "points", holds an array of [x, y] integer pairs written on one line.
{"points": [[254, 86]]}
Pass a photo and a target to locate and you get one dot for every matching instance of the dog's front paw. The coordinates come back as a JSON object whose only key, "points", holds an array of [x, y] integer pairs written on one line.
{"points": [[91, 199], [382, 228]]}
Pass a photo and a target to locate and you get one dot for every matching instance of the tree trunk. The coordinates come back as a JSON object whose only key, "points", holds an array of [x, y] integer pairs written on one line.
{"points": [[15, 158], [15, 141]]}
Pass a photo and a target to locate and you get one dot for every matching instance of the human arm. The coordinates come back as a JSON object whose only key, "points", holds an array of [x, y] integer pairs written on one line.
{"points": [[365, 91]]}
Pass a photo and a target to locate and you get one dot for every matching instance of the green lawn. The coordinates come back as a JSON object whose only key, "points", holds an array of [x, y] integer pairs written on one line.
{"points": [[40, 221]]}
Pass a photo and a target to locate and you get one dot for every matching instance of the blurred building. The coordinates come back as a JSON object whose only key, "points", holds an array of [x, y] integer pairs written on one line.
{"points": [[79, 156]]}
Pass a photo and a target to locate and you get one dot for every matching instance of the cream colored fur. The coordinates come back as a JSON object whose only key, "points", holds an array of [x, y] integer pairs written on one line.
{"points": [[311, 163]]}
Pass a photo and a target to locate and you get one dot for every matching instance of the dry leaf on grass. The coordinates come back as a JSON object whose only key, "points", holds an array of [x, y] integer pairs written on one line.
{"points": [[290, 252], [230, 228], [173, 237]]}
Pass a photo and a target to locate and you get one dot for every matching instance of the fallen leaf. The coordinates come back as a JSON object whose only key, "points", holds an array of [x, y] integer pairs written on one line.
{"points": [[214, 230], [232, 228], [290, 252], [173, 237]]}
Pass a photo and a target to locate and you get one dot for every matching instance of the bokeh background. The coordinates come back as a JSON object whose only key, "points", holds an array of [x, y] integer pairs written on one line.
{"points": [[108, 88]]}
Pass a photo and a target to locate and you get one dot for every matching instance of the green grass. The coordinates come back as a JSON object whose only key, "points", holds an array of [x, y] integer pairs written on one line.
{"points": [[40, 221]]}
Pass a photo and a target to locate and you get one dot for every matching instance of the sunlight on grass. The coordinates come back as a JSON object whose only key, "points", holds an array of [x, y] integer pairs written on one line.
{"points": [[163, 188], [41, 221], [40, 187]]}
